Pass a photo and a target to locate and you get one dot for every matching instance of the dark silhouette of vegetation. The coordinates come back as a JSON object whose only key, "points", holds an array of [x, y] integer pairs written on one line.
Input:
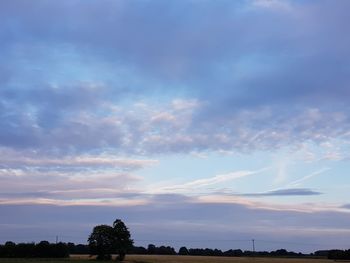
{"points": [[138, 251], [123, 241], [233, 253], [338, 254], [183, 251], [321, 253], [101, 242], [44, 249], [204, 252], [79, 249], [162, 250], [31, 250], [106, 240], [166, 250]]}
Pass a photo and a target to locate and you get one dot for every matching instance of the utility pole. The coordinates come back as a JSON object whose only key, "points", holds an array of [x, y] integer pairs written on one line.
{"points": [[253, 241], [56, 239]]}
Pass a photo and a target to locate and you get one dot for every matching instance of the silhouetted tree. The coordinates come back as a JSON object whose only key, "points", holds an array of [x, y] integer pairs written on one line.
{"points": [[123, 242], [9, 249], [60, 250], [105, 240], [151, 249], [102, 241], [43, 249], [183, 251]]}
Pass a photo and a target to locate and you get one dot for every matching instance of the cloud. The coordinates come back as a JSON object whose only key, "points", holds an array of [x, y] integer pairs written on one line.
{"points": [[27, 180], [28, 177], [257, 77], [307, 177], [285, 192], [221, 178], [346, 206], [111, 28], [76, 161], [182, 221], [167, 128], [202, 184]]}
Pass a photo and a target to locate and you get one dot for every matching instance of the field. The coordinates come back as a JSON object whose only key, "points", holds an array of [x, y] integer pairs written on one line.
{"points": [[172, 259], [200, 259]]}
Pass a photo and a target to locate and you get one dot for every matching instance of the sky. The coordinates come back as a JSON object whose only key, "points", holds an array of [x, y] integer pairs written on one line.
{"points": [[198, 123]]}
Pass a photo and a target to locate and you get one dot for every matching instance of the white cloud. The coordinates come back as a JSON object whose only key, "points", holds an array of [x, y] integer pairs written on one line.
{"points": [[220, 178], [296, 207], [307, 177], [201, 184], [121, 202], [83, 161]]}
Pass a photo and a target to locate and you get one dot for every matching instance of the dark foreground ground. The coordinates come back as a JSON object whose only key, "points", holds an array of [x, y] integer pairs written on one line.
{"points": [[172, 259]]}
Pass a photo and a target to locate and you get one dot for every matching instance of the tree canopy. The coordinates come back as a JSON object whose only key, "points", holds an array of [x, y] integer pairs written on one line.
{"points": [[123, 242], [106, 240]]}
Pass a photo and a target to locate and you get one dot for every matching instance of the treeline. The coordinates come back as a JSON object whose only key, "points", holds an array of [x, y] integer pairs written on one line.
{"points": [[31, 250], [339, 254], [333, 254], [166, 250], [153, 250], [44, 249], [237, 253]]}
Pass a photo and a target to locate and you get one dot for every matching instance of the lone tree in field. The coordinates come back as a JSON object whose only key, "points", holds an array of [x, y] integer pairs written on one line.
{"points": [[106, 240], [123, 242]]}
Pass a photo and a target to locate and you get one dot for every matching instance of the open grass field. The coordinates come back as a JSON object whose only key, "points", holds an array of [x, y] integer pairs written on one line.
{"points": [[172, 259]]}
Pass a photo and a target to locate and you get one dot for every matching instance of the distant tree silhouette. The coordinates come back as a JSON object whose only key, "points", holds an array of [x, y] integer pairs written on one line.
{"points": [[10, 249], [78, 249], [338, 254], [105, 240], [151, 249], [138, 250], [183, 251], [233, 253], [42, 249], [165, 250]]}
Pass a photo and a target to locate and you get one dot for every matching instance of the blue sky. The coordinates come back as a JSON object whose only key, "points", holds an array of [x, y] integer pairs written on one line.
{"points": [[199, 123]]}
